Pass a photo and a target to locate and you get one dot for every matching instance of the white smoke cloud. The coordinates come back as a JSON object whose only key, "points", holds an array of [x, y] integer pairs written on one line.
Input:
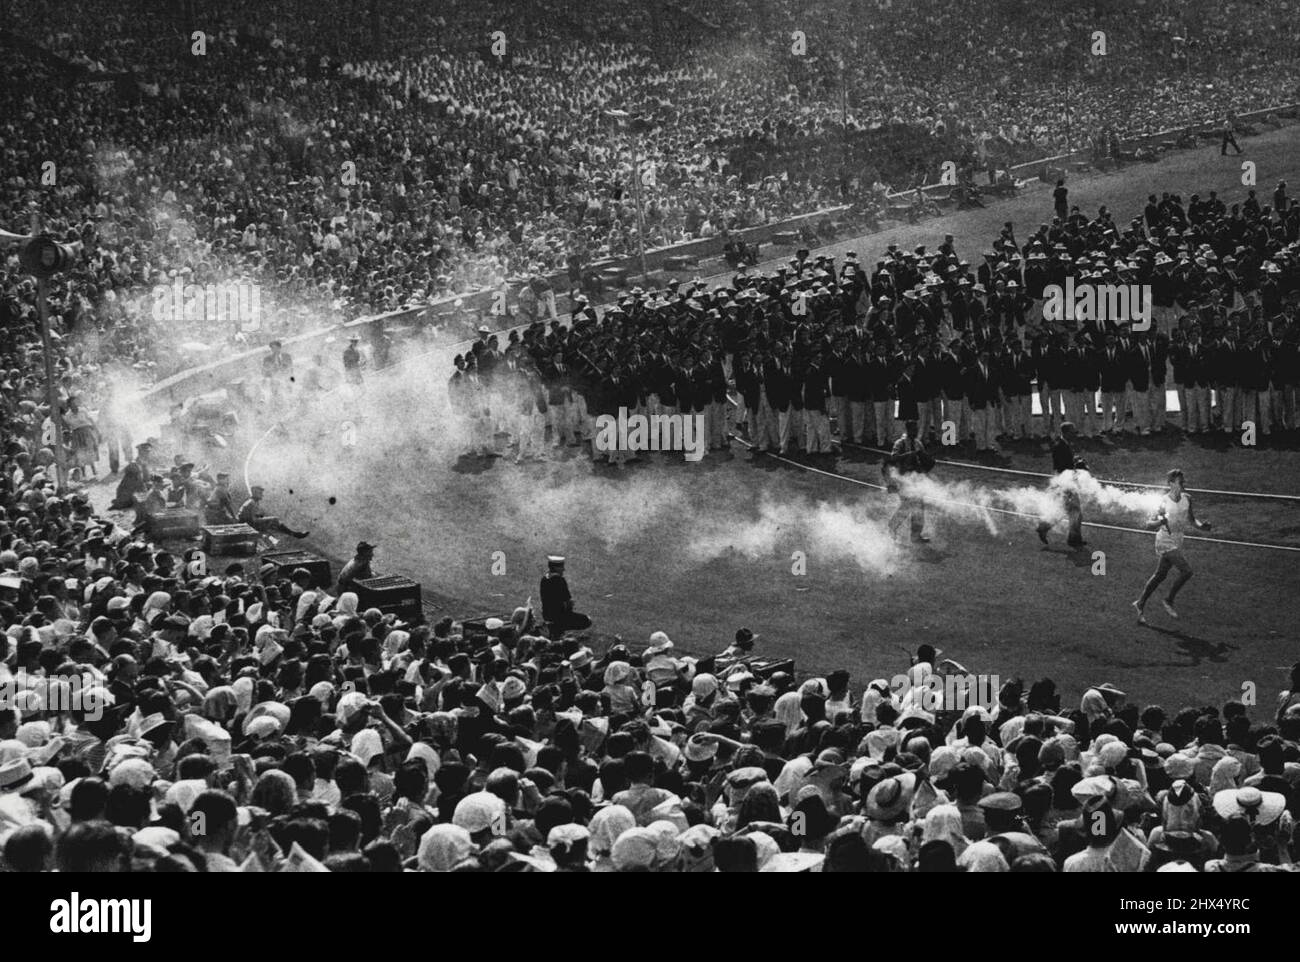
{"points": [[408, 441], [965, 500]]}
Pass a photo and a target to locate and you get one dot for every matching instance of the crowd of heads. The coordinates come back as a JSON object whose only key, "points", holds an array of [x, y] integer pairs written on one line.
{"points": [[159, 716], [158, 721], [349, 163]]}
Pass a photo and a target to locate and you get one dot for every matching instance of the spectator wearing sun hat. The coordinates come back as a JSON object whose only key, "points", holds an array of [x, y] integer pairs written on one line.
{"points": [[443, 847], [1272, 824], [699, 705], [888, 806], [624, 697], [983, 856], [606, 826], [1241, 851], [638, 849], [659, 664], [483, 815]]}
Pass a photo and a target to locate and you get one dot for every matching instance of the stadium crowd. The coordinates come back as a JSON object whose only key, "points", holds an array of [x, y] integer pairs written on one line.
{"points": [[157, 716], [159, 720], [348, 163]]}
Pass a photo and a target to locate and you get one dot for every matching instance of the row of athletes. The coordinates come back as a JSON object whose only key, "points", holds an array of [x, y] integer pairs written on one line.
{"points": [[513, 393], [785, 398]]}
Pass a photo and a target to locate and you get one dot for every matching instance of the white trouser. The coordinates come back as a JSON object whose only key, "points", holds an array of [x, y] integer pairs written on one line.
{"points": [[984, 420], [818, 440], [1019, 415], [957, 410], [928, 416], [1052, 403], [1112, 410], [530, 429], [767, 426], [1137, 401], [1198, 408], [884, 412]]}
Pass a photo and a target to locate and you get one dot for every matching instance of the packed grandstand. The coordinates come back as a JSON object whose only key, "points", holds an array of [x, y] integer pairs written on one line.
{"points": [[164, 709]]}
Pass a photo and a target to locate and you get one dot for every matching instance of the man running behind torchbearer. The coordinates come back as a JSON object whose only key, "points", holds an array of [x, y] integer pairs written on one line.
{"points": [[1063, 460], [907, 457]]}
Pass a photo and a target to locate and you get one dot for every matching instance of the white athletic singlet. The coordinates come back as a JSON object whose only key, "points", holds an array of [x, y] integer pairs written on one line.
{"points": [[1171, 538]]}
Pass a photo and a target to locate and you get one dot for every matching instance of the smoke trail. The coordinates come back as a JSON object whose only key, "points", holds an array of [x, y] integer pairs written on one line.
{"points": [[965, 500], [835, 532], [405, 431]]}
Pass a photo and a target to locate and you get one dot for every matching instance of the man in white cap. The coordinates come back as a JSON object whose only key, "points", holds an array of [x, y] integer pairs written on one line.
{"points": [[557, 602]]}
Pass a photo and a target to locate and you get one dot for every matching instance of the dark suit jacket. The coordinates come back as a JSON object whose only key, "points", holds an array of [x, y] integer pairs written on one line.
{"points": [[982, 386]]}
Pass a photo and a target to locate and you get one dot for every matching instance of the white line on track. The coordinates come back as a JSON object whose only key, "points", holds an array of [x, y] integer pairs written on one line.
{"points": [[1008, 511], [248, 459], [1118, 484]]}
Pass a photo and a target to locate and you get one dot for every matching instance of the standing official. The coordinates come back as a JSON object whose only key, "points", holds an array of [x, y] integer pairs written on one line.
{"points": [[557, 602], [1229, 134], [352, 362], [1061, 200], [277, 372]]}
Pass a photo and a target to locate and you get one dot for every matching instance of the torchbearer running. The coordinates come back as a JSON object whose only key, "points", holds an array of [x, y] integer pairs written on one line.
{"points": [[1170, 525]]}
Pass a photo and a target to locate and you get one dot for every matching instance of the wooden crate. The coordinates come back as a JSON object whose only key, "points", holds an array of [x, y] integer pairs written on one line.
{"points": [[392, 594], [173, 523], [286, 562], [224, 539], [764, 667]]}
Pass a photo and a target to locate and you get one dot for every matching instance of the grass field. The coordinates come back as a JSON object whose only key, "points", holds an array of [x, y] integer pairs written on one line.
{"points": [[699, 550]]}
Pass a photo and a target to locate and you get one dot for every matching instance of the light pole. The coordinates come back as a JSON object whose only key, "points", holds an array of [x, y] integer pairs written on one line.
{"points": [[51, 389], [43, 257], [640, 210], [621, 118]]}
